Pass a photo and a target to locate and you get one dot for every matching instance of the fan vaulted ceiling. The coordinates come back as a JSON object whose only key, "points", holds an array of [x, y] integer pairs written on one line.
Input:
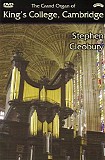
{"points": [[46, 47]]}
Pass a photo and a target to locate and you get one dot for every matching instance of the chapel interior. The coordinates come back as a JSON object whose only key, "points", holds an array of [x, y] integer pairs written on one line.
{"points": [[52, 98]]}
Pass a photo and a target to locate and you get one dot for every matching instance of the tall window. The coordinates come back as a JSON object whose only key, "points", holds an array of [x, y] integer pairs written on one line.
{"points": [[101, 84], [79, 115], [78, 82]]}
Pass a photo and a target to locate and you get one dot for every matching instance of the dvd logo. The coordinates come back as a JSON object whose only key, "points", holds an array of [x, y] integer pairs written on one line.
{"points": [[8, 5], [98, 5]]}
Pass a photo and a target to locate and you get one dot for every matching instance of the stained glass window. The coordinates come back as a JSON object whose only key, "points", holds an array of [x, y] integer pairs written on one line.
{"points": [[79, 113], [78, 82], [101, 84]]}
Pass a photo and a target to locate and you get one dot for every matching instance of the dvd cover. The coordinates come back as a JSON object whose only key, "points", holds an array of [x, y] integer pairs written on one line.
{"points": [[52, 82]]}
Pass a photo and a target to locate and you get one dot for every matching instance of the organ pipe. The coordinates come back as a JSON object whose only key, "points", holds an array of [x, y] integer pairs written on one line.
{"points": [[15, 83], [56, 126], [50, 127], [35, 119], [45, 127], [30, 92], [31, 126], [69, 94], [54, 95], [34, 124], [43, 94]]}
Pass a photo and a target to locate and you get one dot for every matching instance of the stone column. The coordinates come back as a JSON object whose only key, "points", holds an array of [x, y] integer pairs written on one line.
{"points": [[90, 90]]}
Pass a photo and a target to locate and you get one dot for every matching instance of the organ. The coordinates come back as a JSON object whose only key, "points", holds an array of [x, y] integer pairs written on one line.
{"points": [[40, 121], [43, 104], [55, 93]]}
